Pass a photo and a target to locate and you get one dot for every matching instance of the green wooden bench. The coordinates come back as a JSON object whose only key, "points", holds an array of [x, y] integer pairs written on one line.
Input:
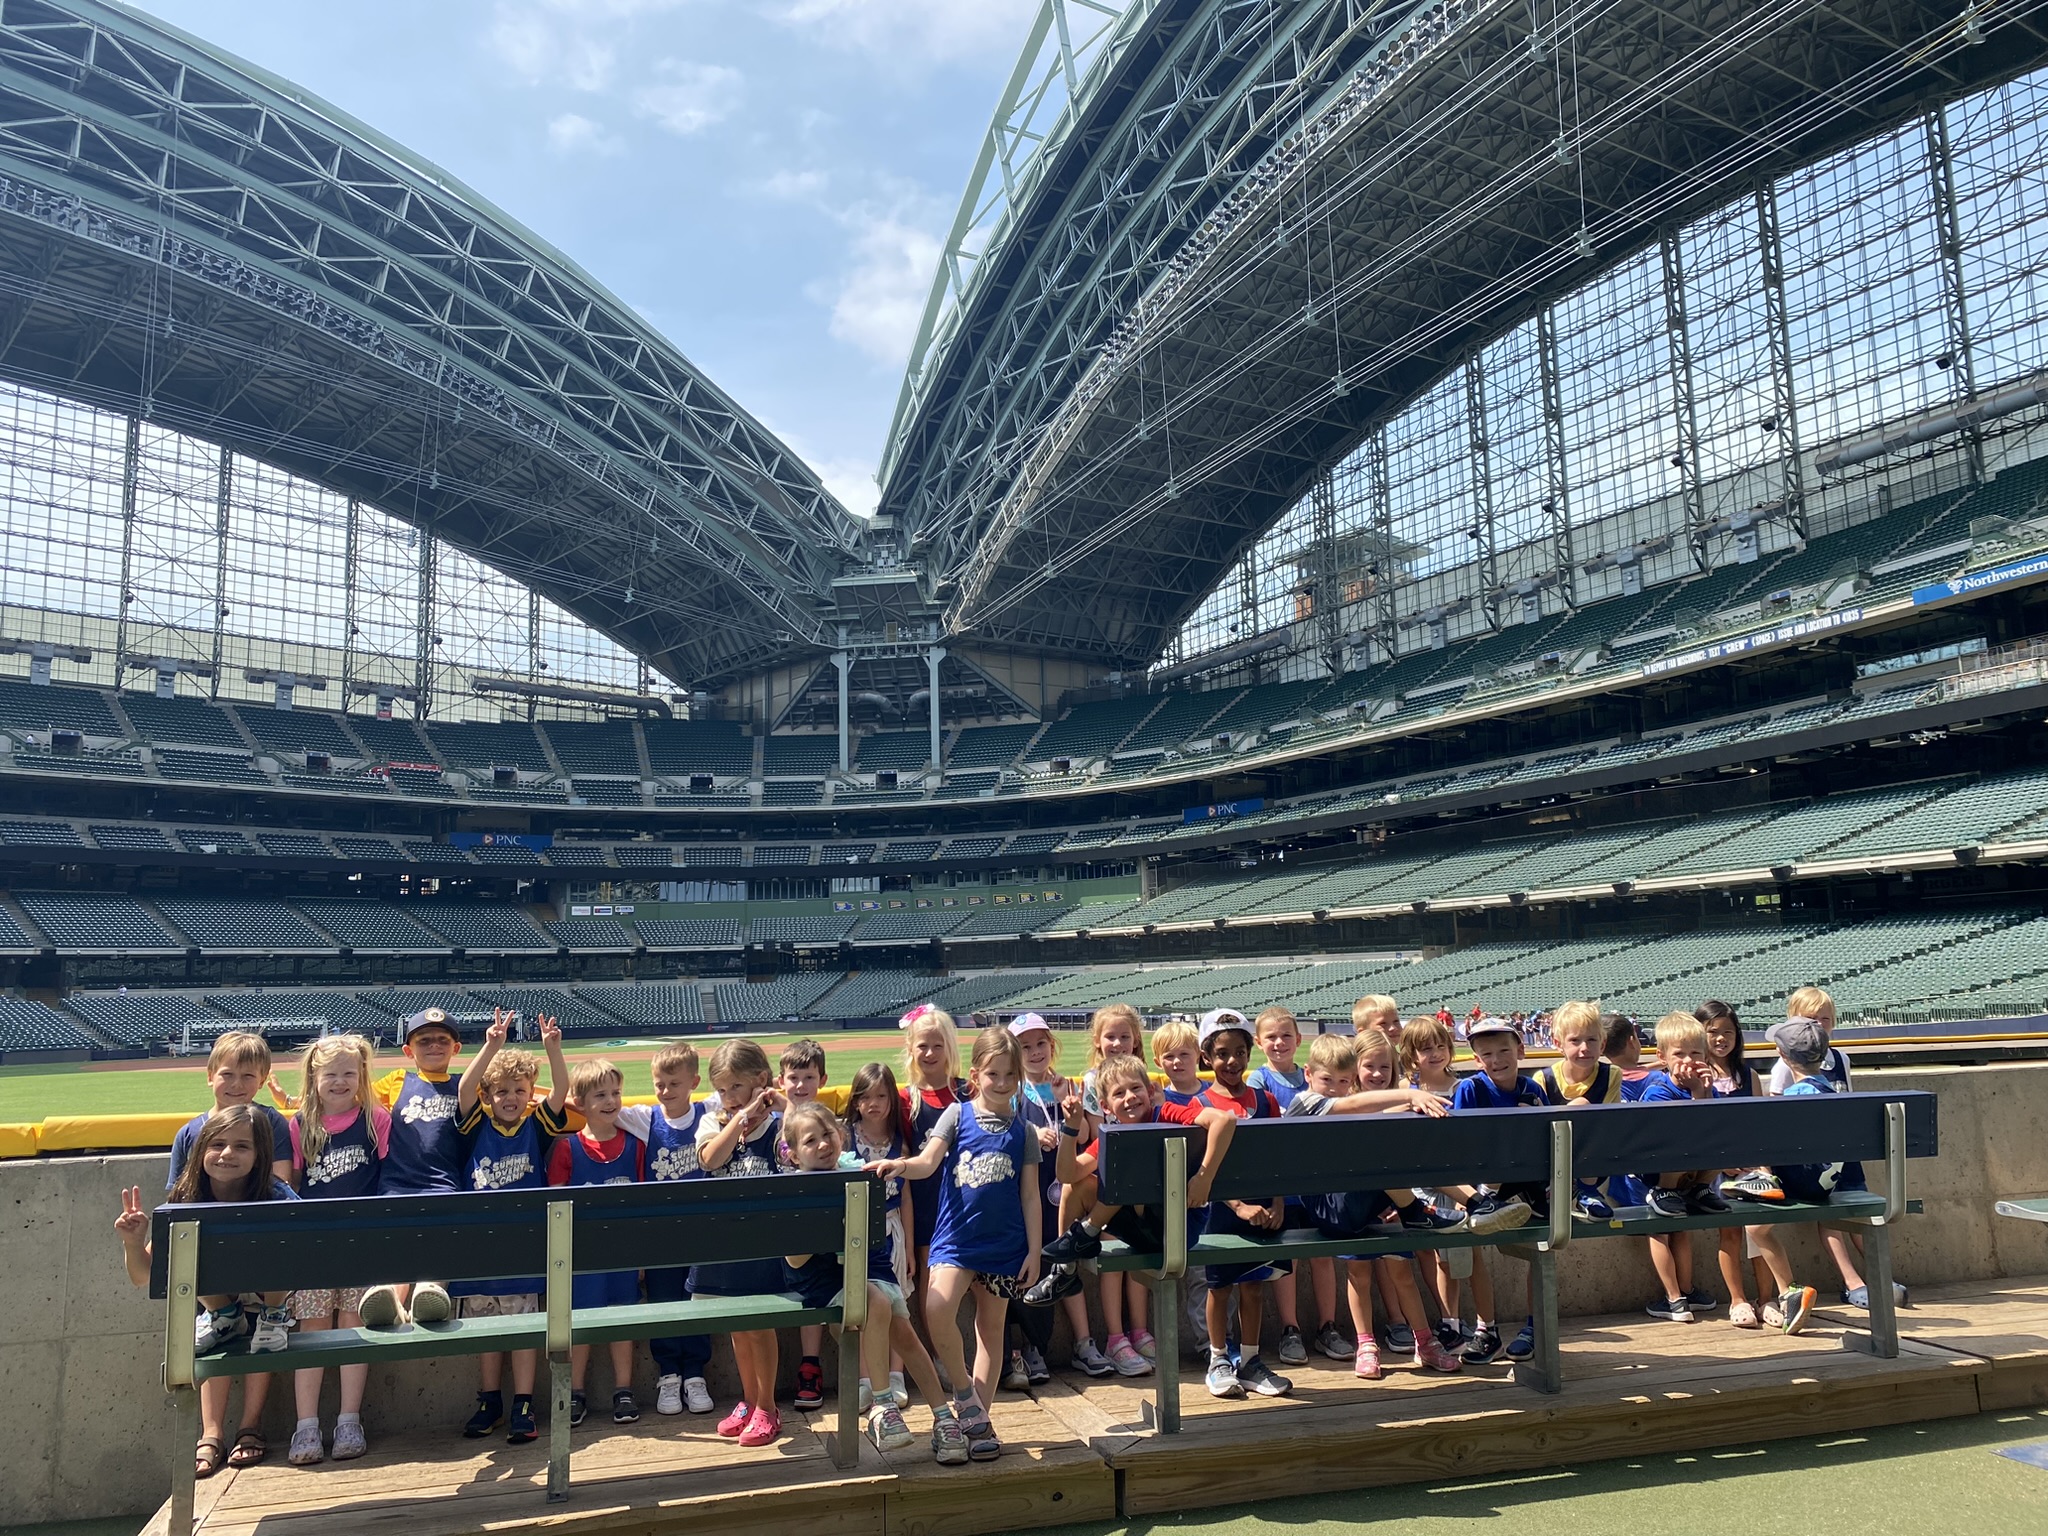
{"points": [[1147, 1165], [204, 1250]]}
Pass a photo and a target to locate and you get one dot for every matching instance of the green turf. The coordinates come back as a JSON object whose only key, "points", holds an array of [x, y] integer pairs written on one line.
{"points": [[1902, 1481], [162, 1087]]}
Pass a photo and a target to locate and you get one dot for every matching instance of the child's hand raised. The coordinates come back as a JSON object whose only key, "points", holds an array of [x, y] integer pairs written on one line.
{"points": [[133, 1222], [1072, 1110], [501, 1026], [550, 1029]]}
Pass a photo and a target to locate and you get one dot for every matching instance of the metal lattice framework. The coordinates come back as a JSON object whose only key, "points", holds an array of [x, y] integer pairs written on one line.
{"points": [[185, 238], [1265, 227]]}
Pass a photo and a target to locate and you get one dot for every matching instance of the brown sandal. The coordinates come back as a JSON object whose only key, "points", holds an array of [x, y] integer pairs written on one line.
{"points": [[250, 1448], [208, 1457]]}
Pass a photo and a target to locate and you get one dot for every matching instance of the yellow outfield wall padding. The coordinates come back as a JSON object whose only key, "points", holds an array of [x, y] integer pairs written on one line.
{"points": [[85, 1133], [18, 1140]]}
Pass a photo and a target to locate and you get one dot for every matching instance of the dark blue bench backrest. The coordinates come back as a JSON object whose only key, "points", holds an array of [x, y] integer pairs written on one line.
{"points": [[1324, 1155], [313, 1244]]}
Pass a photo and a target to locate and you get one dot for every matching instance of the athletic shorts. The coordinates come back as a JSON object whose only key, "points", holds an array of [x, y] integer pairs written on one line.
{"points": [[898, 1307], [612, 1288]]}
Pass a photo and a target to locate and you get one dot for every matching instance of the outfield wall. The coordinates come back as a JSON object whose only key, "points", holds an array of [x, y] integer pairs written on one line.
{"points": [[89, 1432]]}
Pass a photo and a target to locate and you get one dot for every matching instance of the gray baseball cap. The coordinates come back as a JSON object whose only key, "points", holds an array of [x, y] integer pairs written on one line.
{"points": [[1800, 1041]]}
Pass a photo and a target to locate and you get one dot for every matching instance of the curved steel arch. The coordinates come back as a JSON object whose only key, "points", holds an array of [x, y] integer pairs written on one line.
{"points": [[1157, 368], [186, 237]]}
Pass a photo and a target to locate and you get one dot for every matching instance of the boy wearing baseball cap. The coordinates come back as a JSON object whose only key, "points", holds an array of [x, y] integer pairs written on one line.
{"points": [[426, 1153]]}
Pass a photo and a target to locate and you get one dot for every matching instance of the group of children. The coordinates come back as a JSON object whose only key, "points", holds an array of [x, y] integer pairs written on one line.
{"points": [[979, 1160]]}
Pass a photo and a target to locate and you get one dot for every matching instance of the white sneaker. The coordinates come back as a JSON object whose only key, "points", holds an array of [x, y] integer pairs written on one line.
{"points": [[217, 1330], [381, 1307], [697, 1396], [430, 1303], [898, 1391], [1092, 1361], [668, 1395], [272, 1332]]}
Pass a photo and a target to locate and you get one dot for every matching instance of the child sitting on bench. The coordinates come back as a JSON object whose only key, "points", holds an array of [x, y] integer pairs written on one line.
{"points": [[1333, 1090]]}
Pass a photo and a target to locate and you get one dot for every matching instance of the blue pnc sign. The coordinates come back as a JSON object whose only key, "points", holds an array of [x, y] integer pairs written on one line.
{"points": [[1221, 812], [540, 842], [1978, 581]]}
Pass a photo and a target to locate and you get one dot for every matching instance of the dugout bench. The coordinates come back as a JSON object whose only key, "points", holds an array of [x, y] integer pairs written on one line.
{"points": [[204, 1250], [1147, 1165]]}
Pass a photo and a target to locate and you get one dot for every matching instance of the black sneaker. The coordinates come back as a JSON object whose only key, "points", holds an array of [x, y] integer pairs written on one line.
{"points": [[1666, 1202], [490, 1413], [521, 1429], [810, 1386], [1485, 1345], [1701, 1301], [624, 1409], [1705, 1200], [1422, 1216], [1076, 1244], [579, 1408], [1449, 1335], [1059, 1282]]}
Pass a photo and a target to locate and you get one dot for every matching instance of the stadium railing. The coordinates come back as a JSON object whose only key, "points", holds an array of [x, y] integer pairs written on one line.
{"points": [[204, 1250], [1148, 1165]]}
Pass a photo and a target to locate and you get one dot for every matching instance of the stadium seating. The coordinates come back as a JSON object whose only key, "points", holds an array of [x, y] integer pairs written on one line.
{"points": [[35, 710], [1182, 715], [143, 1018], [649, 1004], [910, 851], [799, 754], [420, 781], [119, 761], [1026, 844], [223, 841], [138, 839], [767, 1002], [600, 749], [645, 855], [371, 927], [678, 748], [874, 995], [905, 751], [208, 767], [801, 930], [504, 853], [592, 933], [846, 853], [424, 852], [728, 854], [1972, 813], [182, 721], [989, 746], [294, 845], [782, 854], [904, 927], [369, 849], [252, 927], [1093, 730], [689, 932], [40, 834], [12, 935], [392, 741], [1008, 921], [30, 1026], [485, 930], [297, 730], [578, 854], [793, 792], [606, 791], [971, 848], [963, 995], [79, 922], [576, 1013], [504, 744]]}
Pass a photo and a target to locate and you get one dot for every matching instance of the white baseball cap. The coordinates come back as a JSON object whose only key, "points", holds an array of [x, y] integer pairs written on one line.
{"points": [[1028, 1023], [1217, 1020]]}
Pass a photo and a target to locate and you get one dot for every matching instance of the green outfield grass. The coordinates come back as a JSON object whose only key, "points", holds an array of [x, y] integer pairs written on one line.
{"points": [[166, 1086]]}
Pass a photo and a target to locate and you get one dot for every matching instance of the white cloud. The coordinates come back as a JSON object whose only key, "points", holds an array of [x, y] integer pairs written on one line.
{"points": [[852, 481], [688, 98], [792, 186], [545, 45], [878, 301], [573, 134], [923, 31]]}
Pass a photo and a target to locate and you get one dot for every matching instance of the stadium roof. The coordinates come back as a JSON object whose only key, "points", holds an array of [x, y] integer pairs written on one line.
{"points": [[1255, 228], [188, 238]]}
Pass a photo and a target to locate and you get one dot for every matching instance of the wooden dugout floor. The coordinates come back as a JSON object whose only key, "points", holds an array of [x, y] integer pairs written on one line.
{"points": [[1079, 1450]]}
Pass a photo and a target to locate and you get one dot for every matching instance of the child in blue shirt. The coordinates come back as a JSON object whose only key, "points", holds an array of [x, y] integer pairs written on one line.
{"points": [[601, 1153], [1500, 1083], [426, 1154], [989, 1226], [669, 1129], [507, 1137]]}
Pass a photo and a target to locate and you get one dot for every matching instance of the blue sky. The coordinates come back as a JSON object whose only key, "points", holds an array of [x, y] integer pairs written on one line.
{"points": [[766, 181]]}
